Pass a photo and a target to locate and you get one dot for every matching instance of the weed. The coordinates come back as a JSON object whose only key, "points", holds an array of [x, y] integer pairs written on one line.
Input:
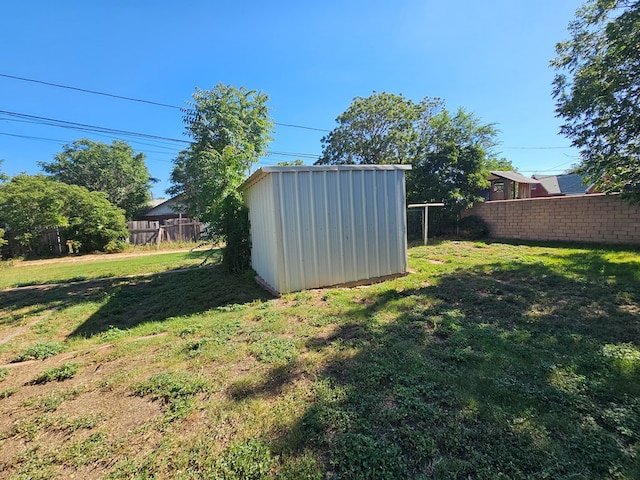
{"points": [[362, 457], [40, 351], [86, 422], [7, 392], [274, 350], [249, 459], [51, 402], [112, 333], [58, 374], [92, 449], [4, 372], [174, 390], [190, 330]]}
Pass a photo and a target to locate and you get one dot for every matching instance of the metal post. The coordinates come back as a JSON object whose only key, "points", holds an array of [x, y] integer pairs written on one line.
{"points": [[425, 217], [426, 223]]}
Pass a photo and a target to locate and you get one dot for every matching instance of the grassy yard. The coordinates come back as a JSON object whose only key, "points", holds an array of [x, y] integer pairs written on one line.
{"points": [[488, 361]]}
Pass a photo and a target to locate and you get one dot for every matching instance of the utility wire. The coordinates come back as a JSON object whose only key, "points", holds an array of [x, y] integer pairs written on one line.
{"points": [[86, 127], [84, 90], [131, 99]]}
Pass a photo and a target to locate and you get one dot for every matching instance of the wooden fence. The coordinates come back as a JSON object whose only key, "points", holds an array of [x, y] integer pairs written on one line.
{"points": [[142, 232]]}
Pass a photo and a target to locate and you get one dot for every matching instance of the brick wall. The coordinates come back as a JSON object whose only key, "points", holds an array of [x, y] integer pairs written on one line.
{"points": [[582, 218]]}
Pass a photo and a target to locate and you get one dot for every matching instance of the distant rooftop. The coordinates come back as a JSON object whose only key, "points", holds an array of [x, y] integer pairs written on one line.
{"points": [[565, 184]]}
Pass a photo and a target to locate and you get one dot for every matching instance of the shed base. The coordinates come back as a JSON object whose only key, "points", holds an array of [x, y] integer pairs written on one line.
{"points": [[356, 283]]}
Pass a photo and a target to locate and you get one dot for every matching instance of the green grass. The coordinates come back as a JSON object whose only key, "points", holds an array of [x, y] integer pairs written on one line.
{"points": [[491, 360], [33, 273]]}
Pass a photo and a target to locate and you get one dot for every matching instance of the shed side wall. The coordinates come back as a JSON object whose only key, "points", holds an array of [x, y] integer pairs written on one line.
{"points": [[340, 227], [264, 231]]}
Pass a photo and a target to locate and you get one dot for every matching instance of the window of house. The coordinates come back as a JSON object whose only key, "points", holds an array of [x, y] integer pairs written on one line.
{"points": [[498, 186]]}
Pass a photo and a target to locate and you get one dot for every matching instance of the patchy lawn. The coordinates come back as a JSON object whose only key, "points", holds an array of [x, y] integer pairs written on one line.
{"points": [[489, 361]]}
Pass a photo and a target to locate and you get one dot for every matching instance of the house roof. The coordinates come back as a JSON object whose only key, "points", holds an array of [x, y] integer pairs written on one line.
{"points": [[513, 176], [566, 184], [165, 207], [264, 171]]}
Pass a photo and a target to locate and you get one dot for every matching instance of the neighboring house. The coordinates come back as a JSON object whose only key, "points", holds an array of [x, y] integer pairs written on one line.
{"points": [[556, 185], [323, 225], [163, 209], [510, 185]]}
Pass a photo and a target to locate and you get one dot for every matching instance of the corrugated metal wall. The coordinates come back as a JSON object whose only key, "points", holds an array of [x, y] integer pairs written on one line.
{"points": [[264, 241], [331, 225]]}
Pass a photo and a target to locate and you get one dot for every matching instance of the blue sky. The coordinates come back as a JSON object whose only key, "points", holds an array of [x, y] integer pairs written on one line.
{"points": [[311, 58]]}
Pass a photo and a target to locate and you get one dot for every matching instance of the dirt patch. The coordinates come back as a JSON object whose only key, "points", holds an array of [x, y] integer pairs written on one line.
{"points": [[10, 333]]}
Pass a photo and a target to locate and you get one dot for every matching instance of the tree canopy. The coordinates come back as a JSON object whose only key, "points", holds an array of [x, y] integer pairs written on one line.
{"points": [[114, 169], [451, 153], [30, 204], [382, 128], [230, 130], [597, 93]]}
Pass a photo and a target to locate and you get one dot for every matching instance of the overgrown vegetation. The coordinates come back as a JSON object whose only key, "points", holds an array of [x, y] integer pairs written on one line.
{"points": [[488, 361]]}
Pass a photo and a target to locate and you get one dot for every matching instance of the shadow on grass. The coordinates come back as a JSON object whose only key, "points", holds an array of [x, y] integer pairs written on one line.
{"points": [[158, 297], [513, 372], [127, 302]]}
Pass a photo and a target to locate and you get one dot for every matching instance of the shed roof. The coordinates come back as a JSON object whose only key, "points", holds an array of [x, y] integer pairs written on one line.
{"points": [[513, 176], [264, 171]]}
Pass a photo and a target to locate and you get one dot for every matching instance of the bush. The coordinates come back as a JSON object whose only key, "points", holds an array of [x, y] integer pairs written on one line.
{"points": [[234, 226], [473, 227], [31, 204]]}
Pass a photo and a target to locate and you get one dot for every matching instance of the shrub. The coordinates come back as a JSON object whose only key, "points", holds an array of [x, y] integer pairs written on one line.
{"points": [[234, 225], [473, 227]]}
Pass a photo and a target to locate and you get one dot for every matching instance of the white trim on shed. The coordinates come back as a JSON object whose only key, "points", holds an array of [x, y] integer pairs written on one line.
{"points": [[316, 226]]}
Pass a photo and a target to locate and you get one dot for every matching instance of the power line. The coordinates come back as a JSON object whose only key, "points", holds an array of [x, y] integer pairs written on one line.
{"points": [[84, 90], [52, 122], [132, 99]]}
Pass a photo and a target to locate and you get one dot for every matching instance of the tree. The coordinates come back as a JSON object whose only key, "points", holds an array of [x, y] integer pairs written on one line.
{"points": [[3, 176], [230, 130], [597, 93], [30, 204], [114, 169], [382, 128], [451, 154]]}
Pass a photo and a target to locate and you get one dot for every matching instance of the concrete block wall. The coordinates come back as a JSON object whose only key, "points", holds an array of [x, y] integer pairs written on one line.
{"points": [[594, 218]]}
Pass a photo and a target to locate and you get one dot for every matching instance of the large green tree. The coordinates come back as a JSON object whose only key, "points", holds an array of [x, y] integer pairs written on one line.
{"points": [[451, 153], [454, 154], [382, 128], [230, 130], [597, 92], [30, 204], [113, 169]]}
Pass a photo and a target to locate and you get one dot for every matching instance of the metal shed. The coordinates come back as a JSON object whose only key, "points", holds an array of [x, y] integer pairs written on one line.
{"points": [[317, 226]]}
